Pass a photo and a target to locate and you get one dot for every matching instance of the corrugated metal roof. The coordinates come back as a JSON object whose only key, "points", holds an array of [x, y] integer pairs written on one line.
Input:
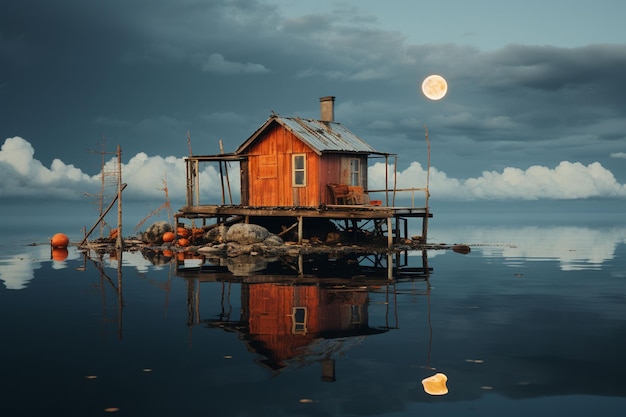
{"points": [[326, 136], [320, 136]]}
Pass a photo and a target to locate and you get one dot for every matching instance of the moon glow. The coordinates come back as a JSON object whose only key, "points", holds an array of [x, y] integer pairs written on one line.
{"points": [[434, 87]]}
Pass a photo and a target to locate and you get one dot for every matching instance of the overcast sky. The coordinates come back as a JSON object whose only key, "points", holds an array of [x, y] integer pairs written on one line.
{"points": [[535, 109]]}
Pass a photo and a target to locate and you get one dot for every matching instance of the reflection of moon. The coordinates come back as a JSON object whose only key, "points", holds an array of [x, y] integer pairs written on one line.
{"points": [[436, 384], [434, 87]]}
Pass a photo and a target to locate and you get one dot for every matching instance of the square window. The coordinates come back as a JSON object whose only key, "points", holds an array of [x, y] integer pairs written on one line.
{"points": [[298, 163], [355, 172]]}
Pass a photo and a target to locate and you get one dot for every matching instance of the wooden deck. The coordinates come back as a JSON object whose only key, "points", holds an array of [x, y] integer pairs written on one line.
{"points": [[388, 218], [326, 211]]}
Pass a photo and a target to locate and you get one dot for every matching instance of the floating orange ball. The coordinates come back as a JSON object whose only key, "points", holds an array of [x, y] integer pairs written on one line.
{"points": [[168, 253], [182, 242], [182, 232], [60, 240], [168, 237]]}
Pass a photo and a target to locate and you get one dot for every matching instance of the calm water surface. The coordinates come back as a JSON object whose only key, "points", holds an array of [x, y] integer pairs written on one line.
{"points": [[531, 322]]}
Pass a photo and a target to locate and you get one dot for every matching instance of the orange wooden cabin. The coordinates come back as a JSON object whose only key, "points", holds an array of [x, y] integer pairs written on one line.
{"points": [[301, 168], [304, 162]]}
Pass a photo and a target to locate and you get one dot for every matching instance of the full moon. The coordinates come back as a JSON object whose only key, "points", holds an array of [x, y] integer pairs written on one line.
{"points": [[434, 87]]}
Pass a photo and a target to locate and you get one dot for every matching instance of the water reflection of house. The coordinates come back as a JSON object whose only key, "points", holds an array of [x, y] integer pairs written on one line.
{"points": [[296, 325], [307, 309]]}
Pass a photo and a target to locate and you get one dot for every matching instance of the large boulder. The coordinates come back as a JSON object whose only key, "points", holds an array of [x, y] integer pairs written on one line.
{"points": [[216, 234], [154, 233], [246, 234], [273, 240]]}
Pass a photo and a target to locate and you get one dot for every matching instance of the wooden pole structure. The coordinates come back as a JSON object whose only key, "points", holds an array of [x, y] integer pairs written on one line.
{"points": [[395, 179], [230, 196], [101, 217], [386, 180], [222, 180], [300, 229], [120, 241], [425, 222], [102, 184]]}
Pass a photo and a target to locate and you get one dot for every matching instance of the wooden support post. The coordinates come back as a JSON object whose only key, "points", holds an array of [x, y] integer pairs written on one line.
{"points": [[395, 180], [300, 229], [389, 233], [222, 181], [196, 182], [406, 229], [119, 244], [397, 232], [230, 196], [387, 180]]}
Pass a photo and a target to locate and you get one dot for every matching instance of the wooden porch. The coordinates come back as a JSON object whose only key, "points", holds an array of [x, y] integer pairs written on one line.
{"points": [[391, 223]]}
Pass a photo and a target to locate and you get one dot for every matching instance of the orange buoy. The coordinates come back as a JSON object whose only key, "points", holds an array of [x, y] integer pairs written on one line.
{"points": [[113, 234], [182, 242], [168, 253], [59, 254], [168, 237], [182, 232], [60, 240]]}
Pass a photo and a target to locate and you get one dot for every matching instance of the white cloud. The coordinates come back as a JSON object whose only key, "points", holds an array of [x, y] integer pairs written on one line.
{"points": [[22, 175], [568, 180], [146, 176], [621, 155], [217, 64]]}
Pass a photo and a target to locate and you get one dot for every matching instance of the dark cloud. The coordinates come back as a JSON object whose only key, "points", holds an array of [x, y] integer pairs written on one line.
{"points": [[144, 73]]}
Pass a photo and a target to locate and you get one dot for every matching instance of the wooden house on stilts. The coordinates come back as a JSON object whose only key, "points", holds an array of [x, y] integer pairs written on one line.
{"points": [[297, 175]]}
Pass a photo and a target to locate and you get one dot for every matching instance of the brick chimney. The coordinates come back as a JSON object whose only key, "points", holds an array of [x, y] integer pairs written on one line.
{"points": [[327, 109]]}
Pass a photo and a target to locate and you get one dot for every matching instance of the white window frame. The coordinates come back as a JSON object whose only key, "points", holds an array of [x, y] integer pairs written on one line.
{"points": [[299, 318], [295, 171], [355, 174]]}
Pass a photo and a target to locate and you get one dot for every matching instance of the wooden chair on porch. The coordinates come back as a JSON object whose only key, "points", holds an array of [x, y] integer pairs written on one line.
{"points": [[340, 194], [358, 195]]}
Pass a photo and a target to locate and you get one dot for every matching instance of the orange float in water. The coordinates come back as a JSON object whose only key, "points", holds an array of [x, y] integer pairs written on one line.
{"points": [[59, 254], [168, 237], [182, 232], [60, 240], [168, 253], [182, 242]]}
